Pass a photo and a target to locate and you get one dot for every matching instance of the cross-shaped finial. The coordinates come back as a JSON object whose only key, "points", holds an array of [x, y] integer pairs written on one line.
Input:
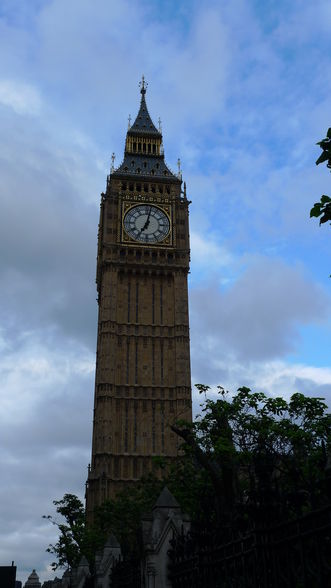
{"points": [[143, 85], [129, 121], [112, 162]]}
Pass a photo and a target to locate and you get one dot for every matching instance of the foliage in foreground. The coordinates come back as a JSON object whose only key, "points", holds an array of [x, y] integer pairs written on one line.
{"points": [[75, 538], [263, 455], [246, 459], [322, 209]]}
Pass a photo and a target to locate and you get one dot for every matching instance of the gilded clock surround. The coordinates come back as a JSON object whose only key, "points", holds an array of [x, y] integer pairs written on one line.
{"points": [[166, 209], [142, 382]]}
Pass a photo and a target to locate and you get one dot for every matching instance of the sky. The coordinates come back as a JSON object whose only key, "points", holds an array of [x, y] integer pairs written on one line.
{"points": [[243, 91]]}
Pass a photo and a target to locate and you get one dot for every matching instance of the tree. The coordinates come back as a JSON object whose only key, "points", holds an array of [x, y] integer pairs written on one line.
{"points": [[246, 459], [122, 516], [264, 457], [323, 208], [75, 538]]}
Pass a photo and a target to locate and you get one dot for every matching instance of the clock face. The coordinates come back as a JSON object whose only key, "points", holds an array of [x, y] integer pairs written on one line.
{"points": [[146, 223]]}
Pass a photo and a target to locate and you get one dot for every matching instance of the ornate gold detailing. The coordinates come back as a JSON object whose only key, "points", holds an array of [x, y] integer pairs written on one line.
{"points": [[143, 145], [168, 241]]}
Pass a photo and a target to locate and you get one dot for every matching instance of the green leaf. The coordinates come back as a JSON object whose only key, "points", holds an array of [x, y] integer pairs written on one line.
{"points": [[316, 210], [323, 157]]}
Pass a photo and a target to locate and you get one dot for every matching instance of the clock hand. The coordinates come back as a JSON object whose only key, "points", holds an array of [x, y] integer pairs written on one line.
{"points": [[147, 221]]}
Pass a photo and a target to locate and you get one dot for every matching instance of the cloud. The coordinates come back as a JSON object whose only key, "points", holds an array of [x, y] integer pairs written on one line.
{"points": [[22, 98], [45, 439], [274, 378], [257, 317], [230, 83], [208, 256], [48, 232]]}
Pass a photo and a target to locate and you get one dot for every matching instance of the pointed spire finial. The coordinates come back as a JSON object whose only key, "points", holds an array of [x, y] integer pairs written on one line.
{"points": [[179, 175], [160, 127], [129, 121], [112, 162], [143, 85]]}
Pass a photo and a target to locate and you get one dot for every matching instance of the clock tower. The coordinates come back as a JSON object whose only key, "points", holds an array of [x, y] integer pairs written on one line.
{"points": [[143, 382]]}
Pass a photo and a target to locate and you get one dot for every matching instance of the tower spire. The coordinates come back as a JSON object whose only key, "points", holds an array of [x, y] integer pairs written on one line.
{"points": [[143, 85], [143, 121], [143, 147]]}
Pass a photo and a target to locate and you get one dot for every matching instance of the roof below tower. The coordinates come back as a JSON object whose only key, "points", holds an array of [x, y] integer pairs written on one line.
{"points": [[145, 166], [166, 500], [112, 541]]}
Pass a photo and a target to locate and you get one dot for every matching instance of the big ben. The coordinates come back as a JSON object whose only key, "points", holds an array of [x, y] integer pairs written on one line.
{"points": [[142, 382]]}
